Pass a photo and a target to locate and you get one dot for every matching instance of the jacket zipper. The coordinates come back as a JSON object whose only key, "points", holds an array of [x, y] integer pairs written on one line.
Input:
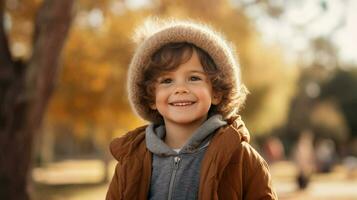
{"points": [[173, 175]]}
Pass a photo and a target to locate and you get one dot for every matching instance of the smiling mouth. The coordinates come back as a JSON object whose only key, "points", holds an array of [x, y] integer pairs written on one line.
{"points": [[186, 103]]}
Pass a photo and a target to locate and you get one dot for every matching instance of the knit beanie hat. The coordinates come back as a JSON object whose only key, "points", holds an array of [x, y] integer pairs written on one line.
{"points": [[154, 34]]}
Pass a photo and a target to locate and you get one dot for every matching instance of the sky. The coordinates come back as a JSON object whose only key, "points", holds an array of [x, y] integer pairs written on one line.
{"points": [[347, 37], [303, 20]]}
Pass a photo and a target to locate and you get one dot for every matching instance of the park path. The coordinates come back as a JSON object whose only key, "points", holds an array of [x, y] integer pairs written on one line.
{"points": [[77, 180], [338, 185]]}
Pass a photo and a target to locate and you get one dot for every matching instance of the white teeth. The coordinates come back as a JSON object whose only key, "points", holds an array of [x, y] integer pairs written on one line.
{"points": [[182, 104]]}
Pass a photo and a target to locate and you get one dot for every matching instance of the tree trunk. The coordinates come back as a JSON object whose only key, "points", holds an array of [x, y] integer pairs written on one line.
{"points": [[25, 89]]}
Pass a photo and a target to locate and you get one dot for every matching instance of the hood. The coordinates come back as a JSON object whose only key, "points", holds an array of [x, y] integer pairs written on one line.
{"points": [[155, 135]]}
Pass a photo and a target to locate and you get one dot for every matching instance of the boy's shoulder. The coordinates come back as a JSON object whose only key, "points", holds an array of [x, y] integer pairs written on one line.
{"points": [[128, 143], [232, 143], [235, 138], [235, 131]]}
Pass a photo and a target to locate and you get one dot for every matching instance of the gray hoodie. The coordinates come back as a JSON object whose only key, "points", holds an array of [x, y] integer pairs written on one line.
{"points": [[177, 175]]}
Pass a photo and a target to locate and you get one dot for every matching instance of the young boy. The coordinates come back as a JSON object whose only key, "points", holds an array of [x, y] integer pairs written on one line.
{"points": [[185, 80]]}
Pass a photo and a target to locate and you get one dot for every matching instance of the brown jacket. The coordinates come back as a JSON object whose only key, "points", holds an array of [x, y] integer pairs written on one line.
{"points": [[231, 168]]}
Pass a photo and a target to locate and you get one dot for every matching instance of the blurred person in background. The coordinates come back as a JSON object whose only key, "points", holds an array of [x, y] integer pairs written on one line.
{"points": [[273, 149], [325, 155], [305, 159]]}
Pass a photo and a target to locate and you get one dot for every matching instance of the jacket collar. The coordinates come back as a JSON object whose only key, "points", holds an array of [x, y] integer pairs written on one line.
{"points": [[237, 124], [132, 142], [129, 144]]}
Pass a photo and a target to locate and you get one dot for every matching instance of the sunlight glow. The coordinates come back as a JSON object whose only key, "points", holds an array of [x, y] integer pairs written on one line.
{"points": [[95, 18]]}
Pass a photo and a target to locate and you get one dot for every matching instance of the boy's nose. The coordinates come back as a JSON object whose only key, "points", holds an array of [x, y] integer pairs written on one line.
{"points": [[180, 89]]}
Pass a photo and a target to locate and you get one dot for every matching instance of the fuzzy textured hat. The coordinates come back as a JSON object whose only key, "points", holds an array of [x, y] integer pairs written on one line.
{"points": [[154, 34]]}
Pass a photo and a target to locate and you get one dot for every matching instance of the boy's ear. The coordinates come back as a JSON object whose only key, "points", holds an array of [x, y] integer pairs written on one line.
{"points": [[152, 106], [216, 98]]}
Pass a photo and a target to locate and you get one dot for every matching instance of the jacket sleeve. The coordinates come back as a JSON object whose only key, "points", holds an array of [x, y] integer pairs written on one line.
{"points": [[257, 179], [114, 189]]}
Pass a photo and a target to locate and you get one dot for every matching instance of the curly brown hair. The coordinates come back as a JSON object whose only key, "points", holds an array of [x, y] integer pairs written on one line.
{"points": [[172, 55]]}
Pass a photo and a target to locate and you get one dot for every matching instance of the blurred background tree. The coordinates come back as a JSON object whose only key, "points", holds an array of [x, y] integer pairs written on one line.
{"points": [[317, 105], [28, 70]]}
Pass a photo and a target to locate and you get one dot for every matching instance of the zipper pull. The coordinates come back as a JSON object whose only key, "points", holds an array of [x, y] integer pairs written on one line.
{"points": [[176, 161]]}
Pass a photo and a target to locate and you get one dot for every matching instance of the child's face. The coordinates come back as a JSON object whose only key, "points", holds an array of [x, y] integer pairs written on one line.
{"points": [[184, 95]]}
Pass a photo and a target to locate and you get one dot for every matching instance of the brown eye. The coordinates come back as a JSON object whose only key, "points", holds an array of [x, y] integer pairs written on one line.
{"points": [[166, 81], [195, 78]]}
